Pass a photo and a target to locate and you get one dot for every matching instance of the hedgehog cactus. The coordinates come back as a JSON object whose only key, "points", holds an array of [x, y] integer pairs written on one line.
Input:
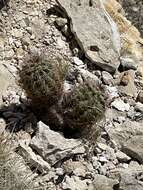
{"points": [[42, 78], [85, 107]]}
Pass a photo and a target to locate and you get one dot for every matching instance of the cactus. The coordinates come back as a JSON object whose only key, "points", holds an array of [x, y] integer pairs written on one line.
{"points": [[84, 108], [42, 78], [3, 3], [14, 174]]}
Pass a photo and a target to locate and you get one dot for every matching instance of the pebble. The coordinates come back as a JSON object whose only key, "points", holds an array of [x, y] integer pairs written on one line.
{"points": [[127, 63], [140, 96], [59, 171], [139, 107], [107, 78], [120, 119], [61, 22], [120, 105], [122, 157], [102, 146], [103, 159], [78, 62], [111, 92]]}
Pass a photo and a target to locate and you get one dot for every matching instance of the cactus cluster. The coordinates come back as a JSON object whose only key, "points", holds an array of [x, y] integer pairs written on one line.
{"points": [[84, 107], [42, 78]]}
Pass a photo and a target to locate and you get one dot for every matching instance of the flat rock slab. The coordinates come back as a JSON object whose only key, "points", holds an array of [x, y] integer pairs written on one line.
{"points": [[52, 146], [93, 32]]}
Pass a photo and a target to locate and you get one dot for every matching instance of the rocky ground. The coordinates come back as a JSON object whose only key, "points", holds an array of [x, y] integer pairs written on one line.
{"points": [[91, 41], [134, 12]]}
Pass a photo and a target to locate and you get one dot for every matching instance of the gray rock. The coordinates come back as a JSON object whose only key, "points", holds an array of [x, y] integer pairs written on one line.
{"points": [[59, 171], [140, 96], [129, 181], [52, 146], [75, 183], [97, 73], [122, 157], [33, 159], [78, 62], [102, 182], [61, 22], [129, 89], [93, 30], [111, 92], [130, 178], [107, 78], [128, 63], [134, 147], [139, 107], [89, 78], [2, 125], [131, 113], [6, 79], [129, 138], [120, 119], [120, 105]]}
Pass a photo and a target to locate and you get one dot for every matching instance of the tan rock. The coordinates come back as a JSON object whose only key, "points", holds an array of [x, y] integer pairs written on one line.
{"points": [[131, 41], [6, 79], [127, 85]]}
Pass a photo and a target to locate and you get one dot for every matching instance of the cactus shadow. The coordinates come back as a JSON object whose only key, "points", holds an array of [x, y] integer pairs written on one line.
{"points": [[18, 117]]}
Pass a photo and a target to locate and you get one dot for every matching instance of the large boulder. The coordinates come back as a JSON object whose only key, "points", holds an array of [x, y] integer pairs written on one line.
{"points": [[95, 32]]}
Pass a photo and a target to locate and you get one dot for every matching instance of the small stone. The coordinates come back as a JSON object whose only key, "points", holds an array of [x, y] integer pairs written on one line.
{"points": [[139, 107], [127, 84], [140, 96], [17, 33], [78, 62], [107, 78], [97, 73], [2, 125], [32, 37], [61, 22], [102, 182], [125, 165], [120, 119], [111, 92], [103, 159], [9, 54], [59, 171], [65, 30], [120, 105], [131, 113], [127, 64], [91, 79], [124, 79], [102, 146], [75, 51], [68, 87], [122, 157]]}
